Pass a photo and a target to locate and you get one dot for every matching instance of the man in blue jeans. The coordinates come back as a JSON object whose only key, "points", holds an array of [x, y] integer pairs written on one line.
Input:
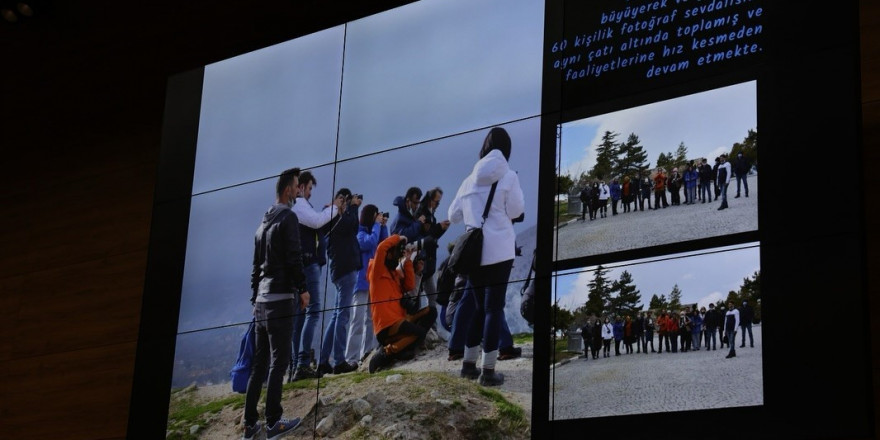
{"points": [[278, 288], [746, 315], [305, 324], [345, 262]]}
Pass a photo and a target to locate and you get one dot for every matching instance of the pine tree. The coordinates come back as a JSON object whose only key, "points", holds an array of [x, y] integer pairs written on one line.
{"points": [[675, 298], [606, 156], [657, 303], [599, 292], [632, 157], [681, 156], [627, 300]]}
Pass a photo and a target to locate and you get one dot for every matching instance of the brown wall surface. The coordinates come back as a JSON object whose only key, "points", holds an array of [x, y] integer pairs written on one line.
{"points": [[80, 141]]}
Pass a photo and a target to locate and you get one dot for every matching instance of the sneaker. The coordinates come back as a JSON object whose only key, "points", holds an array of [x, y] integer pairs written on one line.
{"points": [[325, 368], [378, 361], [306, 373], [509, 353], [281, 428], [455, 355], [490, 378], [469, 370], [344, 367], [251, 432]]}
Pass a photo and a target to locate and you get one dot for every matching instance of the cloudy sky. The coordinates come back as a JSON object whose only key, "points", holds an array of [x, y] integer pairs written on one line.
{"points": [[703, 277], [708, 123], [422, 71]]}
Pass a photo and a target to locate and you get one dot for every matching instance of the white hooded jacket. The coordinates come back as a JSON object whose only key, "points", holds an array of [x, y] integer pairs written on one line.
{"points": [[499, 239]]}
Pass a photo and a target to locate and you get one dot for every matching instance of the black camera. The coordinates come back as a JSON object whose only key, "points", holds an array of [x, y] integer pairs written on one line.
{"points": [[386, 215], [354, 196]]}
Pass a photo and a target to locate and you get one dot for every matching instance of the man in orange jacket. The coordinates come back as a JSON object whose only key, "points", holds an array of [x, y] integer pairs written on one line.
{"points": [[389, 278]]}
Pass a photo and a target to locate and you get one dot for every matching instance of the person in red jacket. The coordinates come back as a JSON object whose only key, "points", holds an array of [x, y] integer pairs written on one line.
{"points": [[396, 331], [661, 330]]}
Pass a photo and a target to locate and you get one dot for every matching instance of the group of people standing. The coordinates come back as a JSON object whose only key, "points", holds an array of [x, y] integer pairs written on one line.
{"points": [[372, 269], [700, 182], [688, 330]]}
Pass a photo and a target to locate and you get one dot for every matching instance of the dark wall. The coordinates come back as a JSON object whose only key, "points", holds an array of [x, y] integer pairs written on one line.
{"points": [[82, 98]]}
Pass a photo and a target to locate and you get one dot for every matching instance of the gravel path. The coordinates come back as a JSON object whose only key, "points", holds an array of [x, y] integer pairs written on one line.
{"points": [[646, 228], [641, 383]]}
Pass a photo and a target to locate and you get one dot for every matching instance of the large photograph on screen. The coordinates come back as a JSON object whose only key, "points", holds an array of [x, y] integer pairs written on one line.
{"points": [[671, 171], [406, 118], [636, 332]]}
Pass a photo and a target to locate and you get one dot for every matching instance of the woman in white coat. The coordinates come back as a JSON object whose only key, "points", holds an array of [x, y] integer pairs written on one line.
{"points": [[489, 281]]}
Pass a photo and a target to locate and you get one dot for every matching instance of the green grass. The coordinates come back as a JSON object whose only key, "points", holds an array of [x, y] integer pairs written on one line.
{"points": [[562, 215], [561, 352], [521, 338], [183, 412], [511, 418]]}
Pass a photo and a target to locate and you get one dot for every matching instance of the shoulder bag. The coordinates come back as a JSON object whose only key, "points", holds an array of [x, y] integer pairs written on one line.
{"points": [[467, 250]]}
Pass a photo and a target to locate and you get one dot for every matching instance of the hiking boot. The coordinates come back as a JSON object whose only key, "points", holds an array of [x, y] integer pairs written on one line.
{"points": [[325, 368], [407, 355], [469, 370], [455, 355], [491, 378], [509, 353], [378, 360], [305, 372], [281, 428], [252, 432], [344, 367]]}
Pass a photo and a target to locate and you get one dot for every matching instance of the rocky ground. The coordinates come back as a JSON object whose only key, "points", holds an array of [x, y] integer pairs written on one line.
{"points": [[423, 398]]}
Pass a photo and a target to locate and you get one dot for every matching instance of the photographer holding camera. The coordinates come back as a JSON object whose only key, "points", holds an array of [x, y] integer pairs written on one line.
{"points": [[361, 340], [407, 222], [390, 274], [345, 262], [314, 258], [433, 231]]}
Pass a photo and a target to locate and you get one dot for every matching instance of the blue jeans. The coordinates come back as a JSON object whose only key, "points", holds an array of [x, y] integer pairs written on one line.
{"points": [[361, 339], [747, 328], [274, 325], [742, 180], [710, 336], [304, 323], [489, 284], [336, 337], [462, 320], [706, 192], [724, 194], [695, 340]]}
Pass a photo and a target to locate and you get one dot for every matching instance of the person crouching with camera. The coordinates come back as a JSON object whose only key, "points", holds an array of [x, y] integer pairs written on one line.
{"points": [[396, 331]]}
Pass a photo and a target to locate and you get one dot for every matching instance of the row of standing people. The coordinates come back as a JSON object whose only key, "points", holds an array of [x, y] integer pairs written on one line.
{"points": [[701, 183], [689, 330]]}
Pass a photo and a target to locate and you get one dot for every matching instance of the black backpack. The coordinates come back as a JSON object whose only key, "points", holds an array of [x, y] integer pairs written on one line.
{"points": [[445, 282], [527, 306]]}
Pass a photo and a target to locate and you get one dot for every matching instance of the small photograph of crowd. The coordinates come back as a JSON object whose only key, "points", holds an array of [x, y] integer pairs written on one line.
{"points": [[666, 172], [630, 335]]}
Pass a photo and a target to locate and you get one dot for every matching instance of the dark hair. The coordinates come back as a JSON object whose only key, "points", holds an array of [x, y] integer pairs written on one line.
{"points": [[413, 190], [344, 192], [425, 203], [368, 215], [307, 177], [497, 139], [284, 180]]}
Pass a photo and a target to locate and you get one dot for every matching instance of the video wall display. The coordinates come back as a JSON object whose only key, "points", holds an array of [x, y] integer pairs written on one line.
{"points": [[633, 131]]}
